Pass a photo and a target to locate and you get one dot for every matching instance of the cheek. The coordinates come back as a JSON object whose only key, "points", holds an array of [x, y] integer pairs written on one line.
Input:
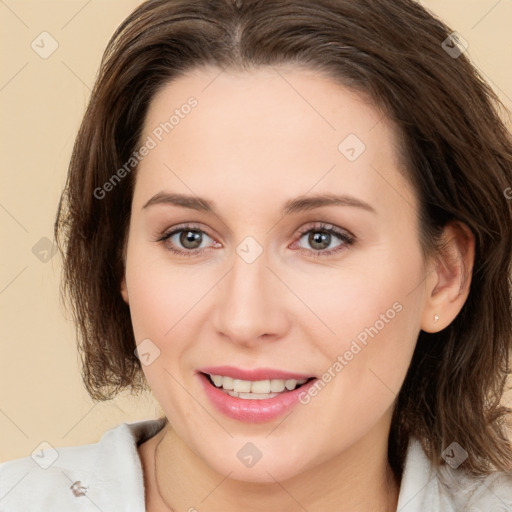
{"points": [[165, 302], [366, 300], [160, 294], [161, 299], [151, 305], [374, 318]]}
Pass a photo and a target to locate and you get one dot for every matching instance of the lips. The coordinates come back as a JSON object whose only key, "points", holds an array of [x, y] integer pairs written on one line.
{"points": [[253, 375], [253, 396]]}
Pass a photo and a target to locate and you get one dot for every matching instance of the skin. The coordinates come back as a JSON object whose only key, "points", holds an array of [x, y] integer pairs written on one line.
{"points": [[256, 140]]}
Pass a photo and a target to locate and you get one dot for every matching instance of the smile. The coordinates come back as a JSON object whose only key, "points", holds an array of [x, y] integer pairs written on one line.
{"points": [[253, 396], [255, 390]]}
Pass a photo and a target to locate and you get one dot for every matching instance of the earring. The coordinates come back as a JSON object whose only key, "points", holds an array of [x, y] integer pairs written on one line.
{"points": [[436, 318]]}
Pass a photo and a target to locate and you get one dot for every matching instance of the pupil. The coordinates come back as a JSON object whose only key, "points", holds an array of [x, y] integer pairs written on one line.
{"points": [[190, 239], [319, 238]]}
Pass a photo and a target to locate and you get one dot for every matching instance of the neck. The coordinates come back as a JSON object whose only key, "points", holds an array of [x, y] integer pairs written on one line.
{"points": [[359, 479]]}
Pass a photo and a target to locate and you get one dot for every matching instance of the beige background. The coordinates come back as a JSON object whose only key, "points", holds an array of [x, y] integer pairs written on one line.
{"points": [[42, 100]]}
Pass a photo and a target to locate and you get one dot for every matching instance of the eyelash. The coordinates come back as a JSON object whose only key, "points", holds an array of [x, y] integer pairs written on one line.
{"points": [[347, 239]]}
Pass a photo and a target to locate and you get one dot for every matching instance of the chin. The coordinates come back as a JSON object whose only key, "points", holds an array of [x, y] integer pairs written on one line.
{"points": [[262, 472], [256, 460]]}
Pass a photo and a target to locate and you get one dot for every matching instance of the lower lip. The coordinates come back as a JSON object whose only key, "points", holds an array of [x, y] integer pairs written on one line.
{"points": [[253, 411]]}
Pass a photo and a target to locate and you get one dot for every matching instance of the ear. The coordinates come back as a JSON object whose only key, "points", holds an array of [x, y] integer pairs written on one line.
{"points": [[124, 290], [449, 277]]}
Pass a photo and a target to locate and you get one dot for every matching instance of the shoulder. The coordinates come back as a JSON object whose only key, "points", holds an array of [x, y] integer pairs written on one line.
{"points": [[103, 475], [426, 488]]}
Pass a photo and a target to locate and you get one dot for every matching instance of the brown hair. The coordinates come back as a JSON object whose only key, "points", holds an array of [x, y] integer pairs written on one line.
{"points": [[458, 154]]}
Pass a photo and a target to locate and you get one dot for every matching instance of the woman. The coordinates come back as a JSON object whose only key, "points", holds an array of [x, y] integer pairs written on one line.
{"points": [[290, 220]]}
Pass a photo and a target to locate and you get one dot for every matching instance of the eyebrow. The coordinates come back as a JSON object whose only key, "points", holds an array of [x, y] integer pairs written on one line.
{"points": [[299, 204]]}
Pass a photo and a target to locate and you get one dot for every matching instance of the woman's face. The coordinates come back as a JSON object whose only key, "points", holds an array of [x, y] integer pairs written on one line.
{"points": [[258, 288]]}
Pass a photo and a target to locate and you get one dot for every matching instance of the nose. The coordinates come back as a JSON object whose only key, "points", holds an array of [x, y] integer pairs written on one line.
{"points": [[251, 303]]}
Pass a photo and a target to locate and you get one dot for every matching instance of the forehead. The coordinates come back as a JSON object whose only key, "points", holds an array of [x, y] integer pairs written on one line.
{"points": [[266, 131]]}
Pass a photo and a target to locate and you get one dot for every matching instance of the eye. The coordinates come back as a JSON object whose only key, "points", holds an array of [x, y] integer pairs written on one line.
{"points": [[190, 240], [185, 240], [321, 236]]}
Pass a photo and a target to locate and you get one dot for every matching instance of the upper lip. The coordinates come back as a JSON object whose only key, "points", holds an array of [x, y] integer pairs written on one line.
{"points": [[254, 374]]}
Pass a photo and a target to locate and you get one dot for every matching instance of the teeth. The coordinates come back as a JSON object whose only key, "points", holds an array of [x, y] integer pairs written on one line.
{"points": [[254, 388], [290, 384], [252, 396], [260, 386], [277, 385], [217, 380], [242, 386], [226, 382]]}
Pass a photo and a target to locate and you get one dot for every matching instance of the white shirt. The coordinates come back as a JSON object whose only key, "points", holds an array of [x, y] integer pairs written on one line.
{"points": [[107, 477]]}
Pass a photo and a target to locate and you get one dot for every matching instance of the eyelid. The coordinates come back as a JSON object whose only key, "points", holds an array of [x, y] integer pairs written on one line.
{"points": [[325, 226], [347, 238]]}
